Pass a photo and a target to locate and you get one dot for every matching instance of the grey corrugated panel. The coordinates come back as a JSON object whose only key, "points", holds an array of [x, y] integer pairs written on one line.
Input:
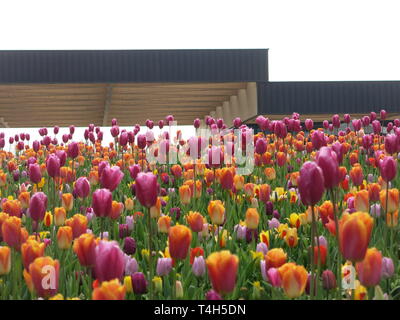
{"points": [[328, 97], [112, 66]]}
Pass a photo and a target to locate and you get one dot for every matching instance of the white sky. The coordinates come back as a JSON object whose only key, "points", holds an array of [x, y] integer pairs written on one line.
{"points": [[308, 40]]}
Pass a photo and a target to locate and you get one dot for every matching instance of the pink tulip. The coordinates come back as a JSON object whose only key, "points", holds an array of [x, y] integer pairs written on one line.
{"points": [[391, 143], [383, 114], [102, 202], [146, 189], [110, 261], [309, 124], [237, 122], [318, 139], [111, 177], [38, 206], [261, 146], [82, 187], [327, 161], [376, 126], [311, 183], [388, 168]]}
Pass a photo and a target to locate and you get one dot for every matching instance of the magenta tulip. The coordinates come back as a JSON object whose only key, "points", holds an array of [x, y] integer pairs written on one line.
{"points": [[38, 206], [311, 183], [391, 143], [110, 261], [102, 202], [146, 189], [327, 161], [111, 177], [53, 166], [73, 150], [82, 187], [35, 174], [388, 168]]}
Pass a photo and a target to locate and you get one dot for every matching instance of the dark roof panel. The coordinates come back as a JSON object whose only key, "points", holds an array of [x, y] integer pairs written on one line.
{"points": [[111, 66], [328, 97]]}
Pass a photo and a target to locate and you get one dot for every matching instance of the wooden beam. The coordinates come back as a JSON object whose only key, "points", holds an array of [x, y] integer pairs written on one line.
{"points": [[107, 104]]}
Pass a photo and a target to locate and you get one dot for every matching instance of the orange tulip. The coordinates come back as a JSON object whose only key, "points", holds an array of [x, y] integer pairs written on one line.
{"points": [[265, 191], [392, 219], [216, 211], [275, 258], [185, 194], [78, 223], [5, 260], [109, 290], [393, 200], [164, 223], [356, 175], [30, 250], [252, 218], [294, 279], [116, 209], [64, 237], [13, 208], [222, 269], [24, 198], [355, 232], [238, 182], [44, 274], [67, 201], [60, 215], [195, 221], [155, 211], [3, 217], [226, 178], [179, 238], [370, 269], [85, 248], [326, 211], [373, 191], [361, 201], [12, 232], [249, 189]]}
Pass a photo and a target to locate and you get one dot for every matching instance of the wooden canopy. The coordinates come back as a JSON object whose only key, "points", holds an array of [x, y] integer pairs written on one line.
{"points": [[37, 105]]}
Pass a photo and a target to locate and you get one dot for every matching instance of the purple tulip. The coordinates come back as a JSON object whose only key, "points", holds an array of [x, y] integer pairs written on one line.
{"points": [[139, 283], [199, 266], [164, 266], [129, 245]]}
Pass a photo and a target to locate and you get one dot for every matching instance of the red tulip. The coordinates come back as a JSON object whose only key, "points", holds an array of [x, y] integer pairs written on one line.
{"points": [[102, 202], [146, 189], [311, 183], [327, 161]]}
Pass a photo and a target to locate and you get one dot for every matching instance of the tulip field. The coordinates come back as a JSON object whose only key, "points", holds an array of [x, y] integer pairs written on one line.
{"points": [[315, 216]]}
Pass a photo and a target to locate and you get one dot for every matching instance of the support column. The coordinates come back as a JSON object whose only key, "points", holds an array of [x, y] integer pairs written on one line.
{"points": [[243, 106], [235, 111], [251, 100], [226, 111]]}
